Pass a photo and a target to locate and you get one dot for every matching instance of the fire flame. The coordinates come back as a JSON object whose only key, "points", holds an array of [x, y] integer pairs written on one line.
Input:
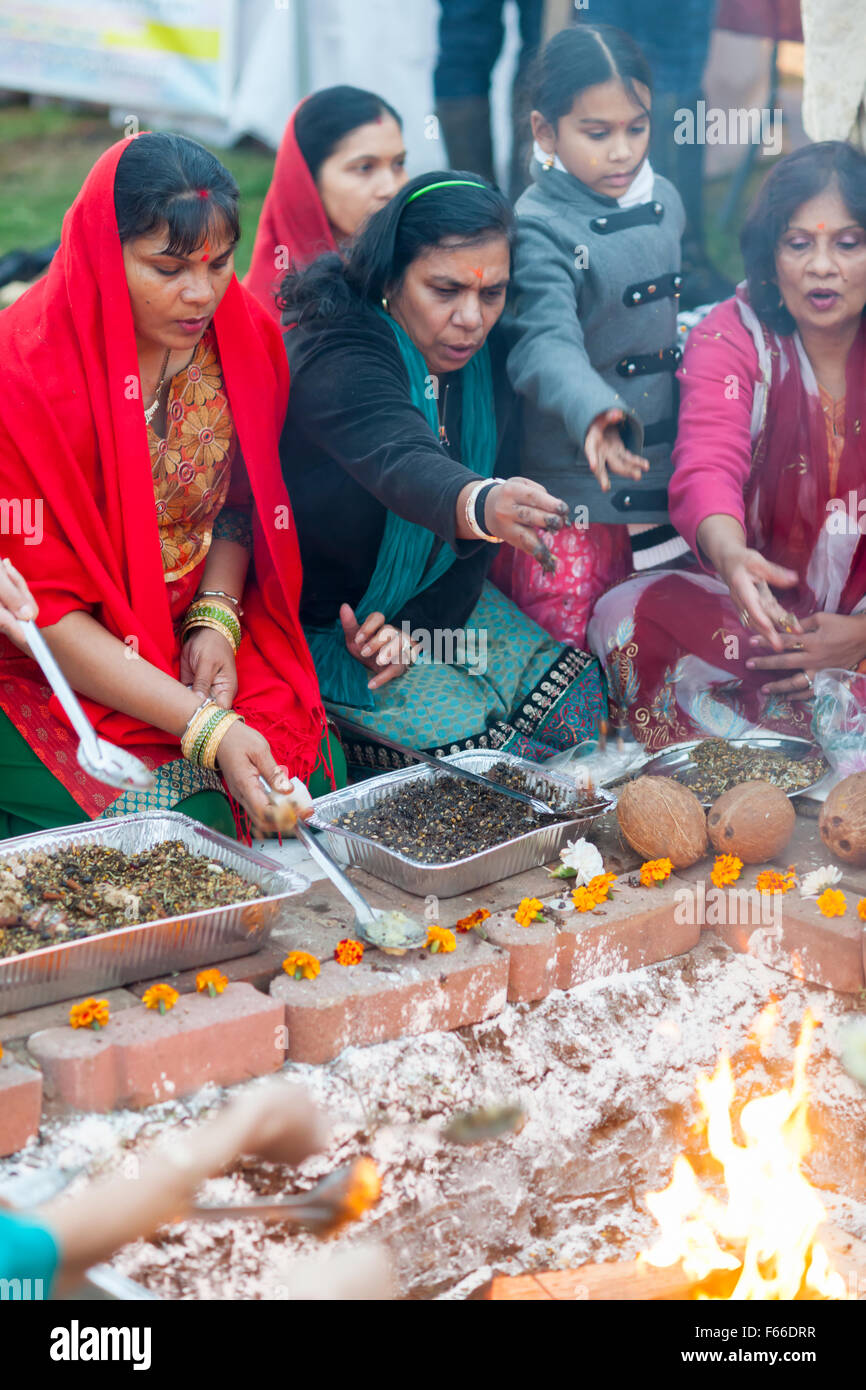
{"points": [[766, 1228]]}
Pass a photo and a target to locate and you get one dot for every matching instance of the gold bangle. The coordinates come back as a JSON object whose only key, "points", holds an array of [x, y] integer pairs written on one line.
{"points": [[215, 626], [195, 726], [208, 755], [215, 615]]}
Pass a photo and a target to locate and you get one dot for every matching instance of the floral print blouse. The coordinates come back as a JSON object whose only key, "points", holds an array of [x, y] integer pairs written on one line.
{"points": [[192, 465]]}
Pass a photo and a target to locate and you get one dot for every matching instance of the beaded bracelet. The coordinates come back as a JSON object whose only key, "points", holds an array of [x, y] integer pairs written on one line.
{"points": [[217, 616], [194, 727], [208, 754]]}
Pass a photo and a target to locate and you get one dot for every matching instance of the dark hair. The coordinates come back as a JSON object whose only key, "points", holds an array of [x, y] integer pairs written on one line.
{"points": [[161, 179], [394, 237], [327, 117], [796, 179], [582, 57]]}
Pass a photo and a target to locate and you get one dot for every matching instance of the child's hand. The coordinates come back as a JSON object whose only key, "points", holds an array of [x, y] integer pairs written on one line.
{"points": [[606, 452]]}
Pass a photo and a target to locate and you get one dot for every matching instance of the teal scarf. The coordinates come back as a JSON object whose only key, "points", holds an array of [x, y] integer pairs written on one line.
{"points": [[401, 569]]}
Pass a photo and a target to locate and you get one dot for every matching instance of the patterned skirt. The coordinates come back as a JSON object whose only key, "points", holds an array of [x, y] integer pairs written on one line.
{"points": [[500, 683]]}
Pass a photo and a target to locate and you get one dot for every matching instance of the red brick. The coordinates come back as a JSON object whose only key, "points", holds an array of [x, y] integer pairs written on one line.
{"points": [[636, 927], [21, 1025], [257, 970], [386, 996], [795, 938], [20, 1105], [142, 1056]]}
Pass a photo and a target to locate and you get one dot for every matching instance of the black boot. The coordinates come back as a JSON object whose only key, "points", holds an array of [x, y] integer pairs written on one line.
{"points": [[465, 126]]}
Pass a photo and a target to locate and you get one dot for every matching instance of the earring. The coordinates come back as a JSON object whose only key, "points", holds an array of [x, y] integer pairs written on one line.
{"points": [[384, 304], [548, 163]]}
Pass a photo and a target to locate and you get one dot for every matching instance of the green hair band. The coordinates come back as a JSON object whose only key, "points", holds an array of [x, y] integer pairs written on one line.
{"points": [[446, 183]]}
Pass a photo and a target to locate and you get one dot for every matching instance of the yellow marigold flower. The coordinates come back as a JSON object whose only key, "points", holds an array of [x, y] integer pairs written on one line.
{"points": [[440, 939], [301, 965], [90, 1013], [832, 903], [655, 871], [161, 997], [364, 1189], [527, 911], [770, 881], [214, 981], [349, 952], [727, 869], [473, 920], [601, 885], [861, 909]]}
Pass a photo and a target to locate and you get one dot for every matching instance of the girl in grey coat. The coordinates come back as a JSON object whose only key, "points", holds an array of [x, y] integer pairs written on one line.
{"points": [[596, 281]]}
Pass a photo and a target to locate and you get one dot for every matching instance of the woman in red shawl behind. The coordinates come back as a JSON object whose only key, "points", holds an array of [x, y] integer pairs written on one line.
{"points": [[143, 394], [340, 160]]}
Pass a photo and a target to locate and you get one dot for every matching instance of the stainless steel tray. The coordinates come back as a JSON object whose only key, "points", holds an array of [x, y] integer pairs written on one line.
{"points": [[676, 761], [147, 949], [539, 846]]}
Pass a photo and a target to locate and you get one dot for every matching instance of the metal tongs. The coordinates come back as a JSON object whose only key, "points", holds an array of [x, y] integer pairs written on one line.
{"points": [[100, 759], [534, 803], [327, 1205]]}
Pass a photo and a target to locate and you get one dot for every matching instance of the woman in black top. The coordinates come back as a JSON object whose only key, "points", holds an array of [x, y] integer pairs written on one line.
{"points": [[399, 416]]}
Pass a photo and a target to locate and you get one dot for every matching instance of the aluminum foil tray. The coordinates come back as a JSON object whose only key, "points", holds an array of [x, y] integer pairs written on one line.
{"points": [[539, 846], [676, 761], [140, 952]]}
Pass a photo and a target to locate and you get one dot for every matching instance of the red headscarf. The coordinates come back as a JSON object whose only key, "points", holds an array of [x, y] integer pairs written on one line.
{"points": [[293, 229], [72, 433]]}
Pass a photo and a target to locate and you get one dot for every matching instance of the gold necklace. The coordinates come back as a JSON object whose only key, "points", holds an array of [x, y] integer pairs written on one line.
{"points": [[151, 409]]}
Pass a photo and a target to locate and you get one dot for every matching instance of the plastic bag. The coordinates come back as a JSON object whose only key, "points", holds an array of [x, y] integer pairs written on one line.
{"points": [[839, 720]]}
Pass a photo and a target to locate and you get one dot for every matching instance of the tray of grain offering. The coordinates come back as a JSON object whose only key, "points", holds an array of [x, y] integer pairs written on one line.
{"points": [[428, 833], [93, 906], [710, 766]]}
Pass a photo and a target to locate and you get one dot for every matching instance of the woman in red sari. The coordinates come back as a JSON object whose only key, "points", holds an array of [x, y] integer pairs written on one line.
{"points": [[341, 159], [769, 484], [143, 391]]}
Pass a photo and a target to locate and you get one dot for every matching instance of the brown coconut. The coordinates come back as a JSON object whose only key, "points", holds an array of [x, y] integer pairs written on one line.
{"points": [[842, 821], [754, 820], [662, 819]]}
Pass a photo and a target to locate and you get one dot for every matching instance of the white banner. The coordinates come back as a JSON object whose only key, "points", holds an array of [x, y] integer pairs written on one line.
{"points": [[144, 55]]}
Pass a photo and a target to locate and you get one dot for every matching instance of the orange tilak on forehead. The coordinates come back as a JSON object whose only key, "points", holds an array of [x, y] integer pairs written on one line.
{"points": [[206, 256]]}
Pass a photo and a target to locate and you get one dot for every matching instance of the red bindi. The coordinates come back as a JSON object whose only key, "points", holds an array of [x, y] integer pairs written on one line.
{"points": [[206, 256]]}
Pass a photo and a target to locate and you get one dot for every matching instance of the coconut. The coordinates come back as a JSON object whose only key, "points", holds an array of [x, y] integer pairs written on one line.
{"points": [[753, 820], [662, 819], [842, 821]]}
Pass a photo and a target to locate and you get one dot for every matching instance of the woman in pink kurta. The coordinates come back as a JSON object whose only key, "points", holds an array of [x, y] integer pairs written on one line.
{"points": [[769, 487]]}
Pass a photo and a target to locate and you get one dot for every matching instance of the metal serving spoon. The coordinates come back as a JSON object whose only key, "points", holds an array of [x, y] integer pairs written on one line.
{"points": [[327, 1205], [535, 803], [104, 761], [389, 931]]}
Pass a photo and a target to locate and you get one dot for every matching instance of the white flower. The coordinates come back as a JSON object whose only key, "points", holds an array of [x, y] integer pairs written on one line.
{"points": [[814, 883], [584, 858]]}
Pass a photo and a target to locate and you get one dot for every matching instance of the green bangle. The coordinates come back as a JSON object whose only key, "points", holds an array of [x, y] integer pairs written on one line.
{"points": [[204, 734], [213, 613]]}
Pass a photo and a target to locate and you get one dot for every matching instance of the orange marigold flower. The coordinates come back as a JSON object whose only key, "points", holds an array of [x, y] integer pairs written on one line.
{"points": [[364, 1189], [832, 903], [655, 871], [727, 869], [440, 939], [301, 965], [349, 952], [861, 909], [214, 981], [770, 881], [473, 920], [161, 997], [527, 912], [583, 899], [90, 1013], [600, 886]]}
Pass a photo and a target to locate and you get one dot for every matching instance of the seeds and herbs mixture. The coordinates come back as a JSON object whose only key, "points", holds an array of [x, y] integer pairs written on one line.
{"points": [[51, 898], [716, 765], [441, 819]]}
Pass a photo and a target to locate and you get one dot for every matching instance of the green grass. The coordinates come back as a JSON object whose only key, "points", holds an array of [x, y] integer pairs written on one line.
{"points": [[46, 152]]}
